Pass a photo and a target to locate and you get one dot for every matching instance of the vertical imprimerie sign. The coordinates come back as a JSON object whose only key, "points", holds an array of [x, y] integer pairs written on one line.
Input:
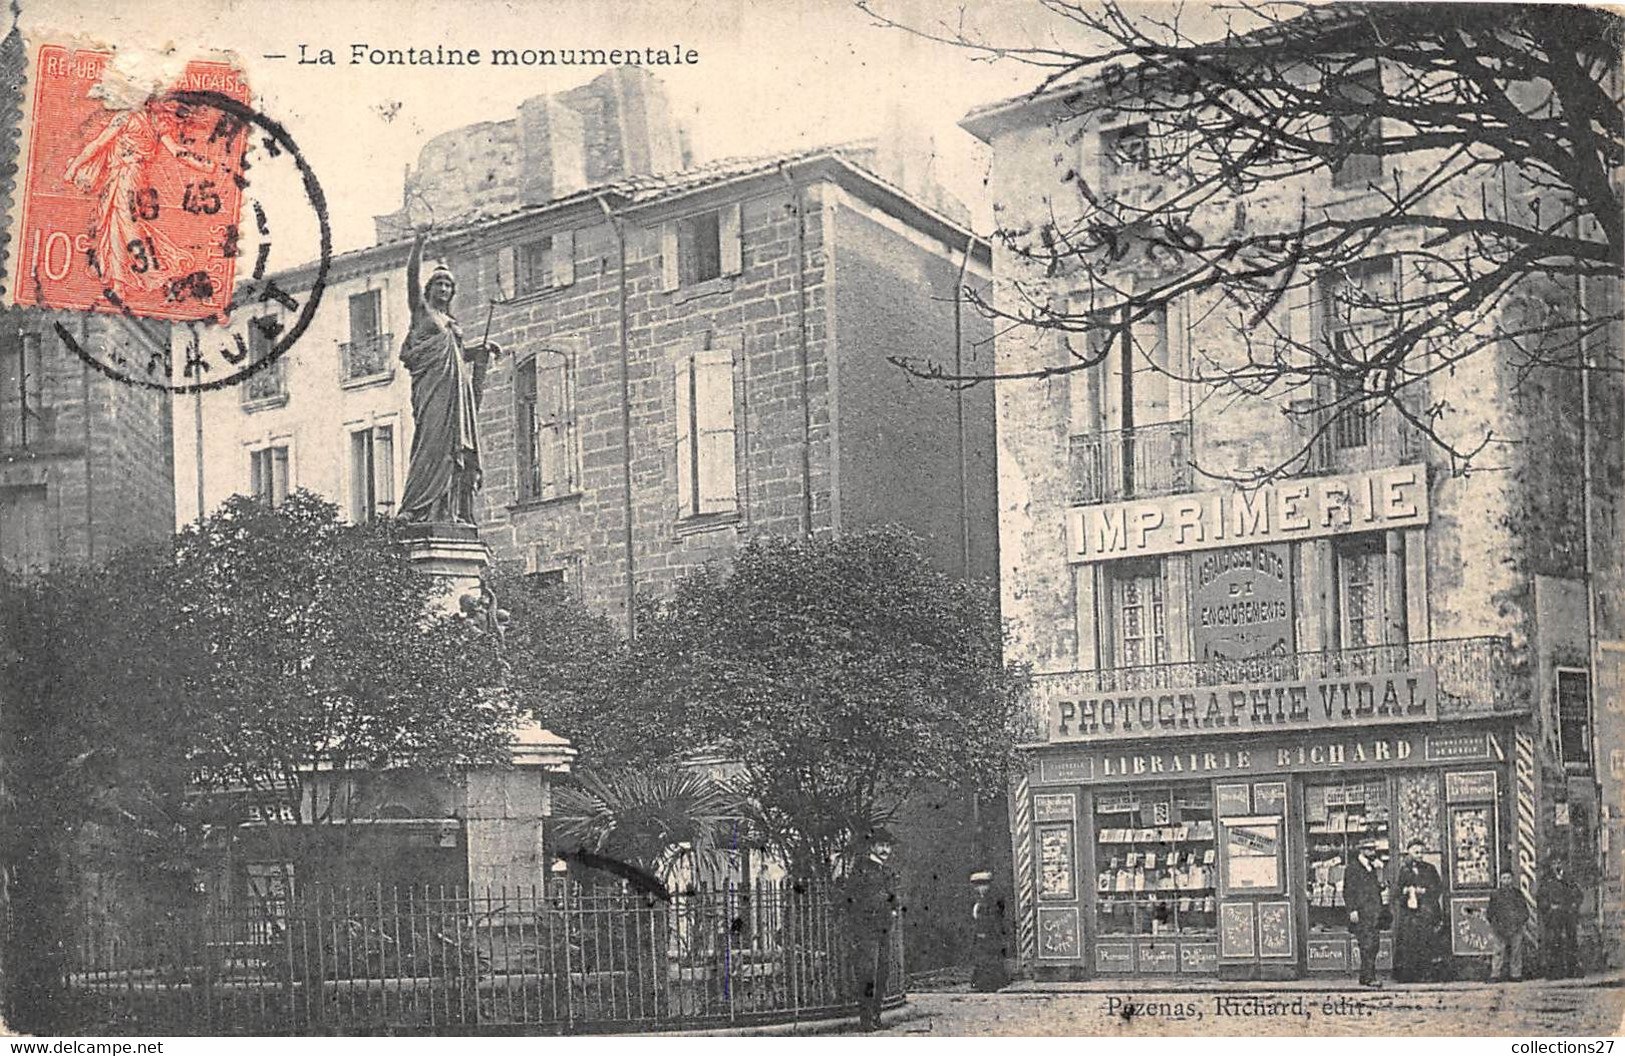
{"points": [[1273, 513]]}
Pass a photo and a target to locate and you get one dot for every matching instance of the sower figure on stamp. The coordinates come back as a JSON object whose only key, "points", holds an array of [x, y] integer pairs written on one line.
{"points": [[1508, 912], [871, 903], [1418, 918], [447, 377], [1362, 894]]}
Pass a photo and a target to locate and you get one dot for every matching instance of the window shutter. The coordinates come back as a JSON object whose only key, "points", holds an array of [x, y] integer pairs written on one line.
{"points": [[729, 228], [668, 256], [550, 441], [360, 460], [507, 272], [564, 258], [683, 382], [383, 460], [1176, 579], [714, 421]]}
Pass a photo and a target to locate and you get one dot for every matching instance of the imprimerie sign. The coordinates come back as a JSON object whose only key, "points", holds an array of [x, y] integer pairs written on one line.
{"points": [[1364, 700], [1307, 508]]}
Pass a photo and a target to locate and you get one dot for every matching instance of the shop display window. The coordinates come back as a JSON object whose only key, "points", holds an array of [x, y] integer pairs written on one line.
{"points": [[1336, 818], [1155, 860], [1471, 797]]}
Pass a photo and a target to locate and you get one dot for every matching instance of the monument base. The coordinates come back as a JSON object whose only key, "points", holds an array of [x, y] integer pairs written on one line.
{"points": [[453, 552]]}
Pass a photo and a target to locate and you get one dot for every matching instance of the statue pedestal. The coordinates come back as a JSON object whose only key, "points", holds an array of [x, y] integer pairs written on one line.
{"points": [[504, 806], [453, 552]]}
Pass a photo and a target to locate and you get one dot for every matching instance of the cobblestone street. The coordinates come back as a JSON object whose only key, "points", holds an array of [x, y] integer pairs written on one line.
{"points": [[1533, 1008]]}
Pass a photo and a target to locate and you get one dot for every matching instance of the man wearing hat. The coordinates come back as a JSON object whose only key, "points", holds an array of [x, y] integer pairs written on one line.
{"points": [[987, 935], [871, 901], [1362, 894]]}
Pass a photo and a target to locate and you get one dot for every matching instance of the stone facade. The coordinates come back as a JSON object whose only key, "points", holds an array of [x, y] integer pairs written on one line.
{"points": [[752, 305], [84, 458], [1502, 558]]}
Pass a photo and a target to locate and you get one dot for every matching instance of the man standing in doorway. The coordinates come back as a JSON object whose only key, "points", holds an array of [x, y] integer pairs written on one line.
{"points": [[1560, 906], [1507, 914], [871, 903], [1362, 893]]}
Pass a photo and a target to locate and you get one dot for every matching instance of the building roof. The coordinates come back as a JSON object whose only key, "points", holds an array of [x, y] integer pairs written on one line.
{"points": [[1065, 95], [847, 160]]}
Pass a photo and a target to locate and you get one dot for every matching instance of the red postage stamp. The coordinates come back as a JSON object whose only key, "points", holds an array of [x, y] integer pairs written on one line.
{"points": [[131, 200]]}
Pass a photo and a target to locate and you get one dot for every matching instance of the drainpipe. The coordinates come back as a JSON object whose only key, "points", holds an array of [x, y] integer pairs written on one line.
{"points": [[804, 363], [959, 407], [626, 420]]}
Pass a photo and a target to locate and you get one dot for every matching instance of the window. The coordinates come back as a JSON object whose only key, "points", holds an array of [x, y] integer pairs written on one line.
{"points": [[1125, 439], [25, 536], [1357, 306], [22, 390], [366, 354], [706, 474], [541, 264], [544, 413], [700, 248], [1125, 157], [1574, 717], [1355, 129], [269, 472], [1364, 591], [536, 265], [372, 473], [699, 241], [1139, 620], [269, 384]]}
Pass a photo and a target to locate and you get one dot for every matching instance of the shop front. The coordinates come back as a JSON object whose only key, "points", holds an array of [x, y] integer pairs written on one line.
{"points": [[1225, 854]]}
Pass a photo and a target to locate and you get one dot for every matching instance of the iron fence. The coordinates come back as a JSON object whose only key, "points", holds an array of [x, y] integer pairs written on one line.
{"points": [[1145, 461], [1474, 674], [554, 958]]}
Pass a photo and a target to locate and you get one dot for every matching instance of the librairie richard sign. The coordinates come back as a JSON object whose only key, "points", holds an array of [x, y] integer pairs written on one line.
{"points": [[1074, 714], [1310, 508]]}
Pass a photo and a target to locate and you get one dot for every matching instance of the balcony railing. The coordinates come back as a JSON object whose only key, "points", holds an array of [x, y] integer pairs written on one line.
{"points": [[1145, 461], [1474, 673], [366, 357]]}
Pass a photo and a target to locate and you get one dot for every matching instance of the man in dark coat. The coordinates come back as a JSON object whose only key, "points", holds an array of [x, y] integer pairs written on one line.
{"points": [[871, 902], [1418, 917], [1560, 906], [987, 936], [1507, 915], [1362, 894]]}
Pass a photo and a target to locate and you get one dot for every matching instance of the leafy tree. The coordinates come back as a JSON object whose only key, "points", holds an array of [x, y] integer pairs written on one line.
{"points": [[841, 675], [320, 653], [1479, 145]]}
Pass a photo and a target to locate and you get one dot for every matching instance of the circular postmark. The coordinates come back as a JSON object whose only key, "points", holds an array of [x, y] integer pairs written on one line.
{"points": [[216, 357]]}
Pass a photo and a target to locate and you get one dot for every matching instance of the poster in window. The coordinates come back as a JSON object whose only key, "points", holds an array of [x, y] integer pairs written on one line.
{"points": [[1252, 854], [1055, 862], [1472, 839]]}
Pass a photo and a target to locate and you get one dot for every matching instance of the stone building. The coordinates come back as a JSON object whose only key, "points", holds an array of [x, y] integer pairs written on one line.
{"points": [[84, 459], [1234, 687], [691, 358]]}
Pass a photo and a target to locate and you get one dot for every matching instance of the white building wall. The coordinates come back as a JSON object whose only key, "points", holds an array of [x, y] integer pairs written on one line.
{"points": [[316, 420]]}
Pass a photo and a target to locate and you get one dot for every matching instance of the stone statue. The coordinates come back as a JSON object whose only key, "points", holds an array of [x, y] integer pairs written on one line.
{"points": [[447, 377]]}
